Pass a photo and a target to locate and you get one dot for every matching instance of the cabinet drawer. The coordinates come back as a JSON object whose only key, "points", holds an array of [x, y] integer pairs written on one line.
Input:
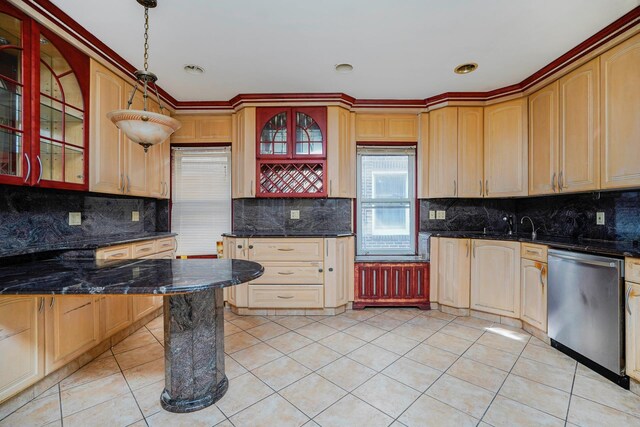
{"points": [[141, 249], [300, 273], [533, 252], [167, 244], [632, 269], [286, 296], [114, 253], [285, 249]]}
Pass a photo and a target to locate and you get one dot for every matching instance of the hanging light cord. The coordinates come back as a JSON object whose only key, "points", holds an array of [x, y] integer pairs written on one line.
{"points": [[146, 39]]}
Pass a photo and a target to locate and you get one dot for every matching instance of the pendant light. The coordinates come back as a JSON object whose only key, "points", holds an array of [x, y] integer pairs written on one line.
{"points": [[142, 126]]}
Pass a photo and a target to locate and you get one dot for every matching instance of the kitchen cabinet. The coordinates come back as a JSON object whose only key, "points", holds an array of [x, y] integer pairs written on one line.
{"points": [[620, 109], [386, 127], [434, 248], [443, 152], [135, 158], [243, 153], [237, 248], [159, 165], [563, 133], [533, 281], [505, 149], [341, 153], [21, 343], [423, 157], [632, 325], [495, 277], [339, 256], [72, 327], [203, 129], [453, 272], [470, 152], [115, 314]]}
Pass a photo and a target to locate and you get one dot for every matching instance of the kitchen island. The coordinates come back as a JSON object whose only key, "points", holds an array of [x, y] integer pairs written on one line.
{"points": [[193, 310]]}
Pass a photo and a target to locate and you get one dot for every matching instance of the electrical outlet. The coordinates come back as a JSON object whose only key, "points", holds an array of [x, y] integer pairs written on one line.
{"points": [[135, 216], [441, 214], [75, 218], [432, 214], [599, 218], [295, 214]]}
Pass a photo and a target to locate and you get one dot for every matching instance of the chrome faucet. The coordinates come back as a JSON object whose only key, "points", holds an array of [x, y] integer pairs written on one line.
{"points": [[534, 230], [509, 220]]}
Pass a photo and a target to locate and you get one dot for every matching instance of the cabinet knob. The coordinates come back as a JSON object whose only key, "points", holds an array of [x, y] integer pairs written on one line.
{"points": [[239, 246], [250, 246], [330, 268], [319, 270]]}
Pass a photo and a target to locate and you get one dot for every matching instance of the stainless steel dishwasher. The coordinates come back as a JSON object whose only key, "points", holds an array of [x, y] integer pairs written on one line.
{"points": [[585, 309]]}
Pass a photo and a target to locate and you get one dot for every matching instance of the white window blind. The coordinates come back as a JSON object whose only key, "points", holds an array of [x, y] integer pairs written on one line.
{"points": [[201, 198]]}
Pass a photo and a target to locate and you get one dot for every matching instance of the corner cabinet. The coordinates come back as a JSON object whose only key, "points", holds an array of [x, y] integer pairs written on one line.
{"points": [[453, 270], [505, 149], [495, 277]]}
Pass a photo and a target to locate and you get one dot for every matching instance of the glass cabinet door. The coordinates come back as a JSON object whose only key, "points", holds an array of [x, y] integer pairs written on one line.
{"points": [[274, 135], [11, 103], [308, 136]]}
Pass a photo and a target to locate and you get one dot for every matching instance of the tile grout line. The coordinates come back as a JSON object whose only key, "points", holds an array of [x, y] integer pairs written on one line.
{"points": [[144, 418]]}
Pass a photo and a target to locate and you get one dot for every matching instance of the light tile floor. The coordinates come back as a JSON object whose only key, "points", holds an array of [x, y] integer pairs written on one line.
{"points": [[399, 367]]}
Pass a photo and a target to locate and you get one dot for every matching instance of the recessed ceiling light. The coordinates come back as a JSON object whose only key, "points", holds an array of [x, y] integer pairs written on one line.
{"points": [[466, 68], [193, 69], [344, 68]]}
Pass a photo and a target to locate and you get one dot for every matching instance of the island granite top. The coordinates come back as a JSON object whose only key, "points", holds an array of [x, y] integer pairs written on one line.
{"points": [[138, 277]]}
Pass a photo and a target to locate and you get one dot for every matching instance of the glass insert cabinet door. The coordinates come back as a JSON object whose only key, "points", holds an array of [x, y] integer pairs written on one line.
{"points": [[43, 93], [291, 132]]}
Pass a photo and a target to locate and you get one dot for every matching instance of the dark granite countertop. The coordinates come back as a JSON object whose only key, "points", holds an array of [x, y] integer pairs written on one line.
{"points": [[605, 247], [286, 234], [151, 276], [79, 243], [390, 258]]}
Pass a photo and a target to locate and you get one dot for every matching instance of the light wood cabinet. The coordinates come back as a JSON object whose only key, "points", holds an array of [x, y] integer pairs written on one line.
{"points": [[158, 165], [470, 152], [285, 249], [386, 127], [443, 152], [434, 249], [423, 157], [115, 314], [237, 248], [563, 134], [453, 272], [339, 267], [276, 296], [203, 129], [505, 149], [243, 153], [495, 277], [632, 325], [63, 314], [341, 153], [620, 109], [533, 281], [21, 343]]}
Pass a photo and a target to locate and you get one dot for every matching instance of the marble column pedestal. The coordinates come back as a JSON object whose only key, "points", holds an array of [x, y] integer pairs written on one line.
{"points": [[193, 350]]}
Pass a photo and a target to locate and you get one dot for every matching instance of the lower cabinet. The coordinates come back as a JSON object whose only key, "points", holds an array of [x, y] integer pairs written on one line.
{"points": [[453, 269], [495, 277], [21, 343], [115, 314], [632, 322], [338, 272], [286, 296], [391, 284], [72, 327], [533, 293]]}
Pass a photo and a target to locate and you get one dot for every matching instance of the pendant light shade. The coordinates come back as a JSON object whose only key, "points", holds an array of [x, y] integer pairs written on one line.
{"points": [[142, 126]]}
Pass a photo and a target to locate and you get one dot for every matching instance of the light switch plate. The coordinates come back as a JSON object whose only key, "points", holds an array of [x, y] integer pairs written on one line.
{"points": [[441, 214], [432, 214], [75, 218], [295, 214], [599, 218], [135, 216]]}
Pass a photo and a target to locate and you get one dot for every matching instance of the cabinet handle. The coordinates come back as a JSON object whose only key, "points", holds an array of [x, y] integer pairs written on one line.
{"points": [[530, 252], [455, 187], [41, 305], [473, 245], [541, 274], [486, 187], [330, 192], [285, 249], [251, 188], [561, 181], [239, 246], [121, 183], [319, 270], [40, 174], [283, 297], [481, 190], [286, 273], [250, 246], [26, 178], [330, 268], [553, 182], [467, 255], [626, 300], [53, 300], [128, 184]]}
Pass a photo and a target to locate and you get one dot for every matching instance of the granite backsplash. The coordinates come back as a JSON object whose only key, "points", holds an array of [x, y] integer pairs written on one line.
{"points": [[273, 216], [30, 216], [567, 215]]}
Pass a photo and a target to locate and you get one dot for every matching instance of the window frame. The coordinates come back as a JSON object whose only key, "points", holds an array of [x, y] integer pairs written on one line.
{"points": [[410, 151]]}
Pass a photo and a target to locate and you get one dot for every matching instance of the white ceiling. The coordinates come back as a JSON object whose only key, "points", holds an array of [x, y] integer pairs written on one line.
{"points": [[400, 49]]}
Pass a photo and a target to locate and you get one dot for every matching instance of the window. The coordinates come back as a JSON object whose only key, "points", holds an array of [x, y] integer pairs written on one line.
{"points": [[386, 201], [201, 198]]}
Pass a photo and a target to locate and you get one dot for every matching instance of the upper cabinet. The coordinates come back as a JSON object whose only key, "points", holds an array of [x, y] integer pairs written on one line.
{"points": [[44, 94], [341, 153], [243, 153], [619, 123], [423, 157], [291, 151], [470, 152], [563, 133], [386, 127], [505, 149], [203, 129]]}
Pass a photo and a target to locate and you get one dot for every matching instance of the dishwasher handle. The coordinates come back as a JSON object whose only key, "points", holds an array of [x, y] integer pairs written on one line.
{"points": [[581, 260]]}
